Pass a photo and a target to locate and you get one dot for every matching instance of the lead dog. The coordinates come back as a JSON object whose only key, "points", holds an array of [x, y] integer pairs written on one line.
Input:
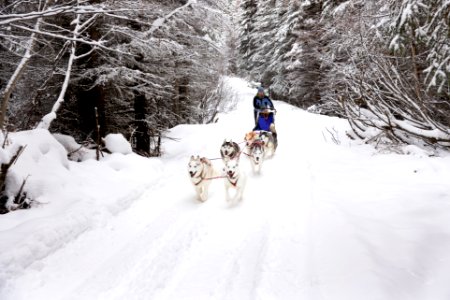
{"points": [[229, 150], [234, 180], [200, 171]]}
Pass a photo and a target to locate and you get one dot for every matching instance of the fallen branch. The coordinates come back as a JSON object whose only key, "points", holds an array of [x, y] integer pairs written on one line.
{"points": [[20, 198]]}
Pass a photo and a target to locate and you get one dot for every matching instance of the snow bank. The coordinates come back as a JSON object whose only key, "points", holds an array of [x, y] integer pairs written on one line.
{"points": [[75, 151], [43, 163], [69, 197], [116, 143]]}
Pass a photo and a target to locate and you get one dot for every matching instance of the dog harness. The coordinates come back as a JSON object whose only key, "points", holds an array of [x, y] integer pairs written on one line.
{"points": [[256, 143], [200, 176], [233, 183]]}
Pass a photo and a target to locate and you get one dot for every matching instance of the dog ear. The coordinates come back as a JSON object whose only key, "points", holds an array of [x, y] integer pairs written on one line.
{"points": [[192, 156]]}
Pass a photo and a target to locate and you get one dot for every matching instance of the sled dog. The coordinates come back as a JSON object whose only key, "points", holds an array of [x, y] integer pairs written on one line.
{"points": [[200, 170], [257, 155], [270, 143], [250, 137], [229, 150], [234, 180]]}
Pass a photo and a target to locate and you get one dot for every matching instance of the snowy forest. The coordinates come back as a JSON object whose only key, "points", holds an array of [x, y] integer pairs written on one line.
{"points": [[380, 64], [131, 167], [87, 68]]}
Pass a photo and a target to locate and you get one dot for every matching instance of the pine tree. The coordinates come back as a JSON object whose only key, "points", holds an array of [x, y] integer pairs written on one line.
{"points": [[248, 32], [289, 20], [266, 28], [421, 30], [304, 74]]}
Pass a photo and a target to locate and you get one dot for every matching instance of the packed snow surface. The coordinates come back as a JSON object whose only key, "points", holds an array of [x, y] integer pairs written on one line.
{"points": [[328, 218]]}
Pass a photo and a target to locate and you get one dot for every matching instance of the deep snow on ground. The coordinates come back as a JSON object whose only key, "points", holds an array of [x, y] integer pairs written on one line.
{"points": [[322, 221]]}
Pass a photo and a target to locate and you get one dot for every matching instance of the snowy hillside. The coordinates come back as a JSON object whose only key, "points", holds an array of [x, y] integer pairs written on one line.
{"points": [[324, 220]]}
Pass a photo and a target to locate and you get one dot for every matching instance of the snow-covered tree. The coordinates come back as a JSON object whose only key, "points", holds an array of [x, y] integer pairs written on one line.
{"points": [[266, 26], [41, 39], [285, 39], [421, 30], [143, 66], [286, 48], [381, 65], [304, 71], [248, 32]]}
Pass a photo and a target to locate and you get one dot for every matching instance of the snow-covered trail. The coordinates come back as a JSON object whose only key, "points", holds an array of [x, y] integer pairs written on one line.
{"points": [[322, 221]]}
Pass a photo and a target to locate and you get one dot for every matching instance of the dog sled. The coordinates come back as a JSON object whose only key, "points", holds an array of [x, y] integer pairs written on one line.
{"points": [[265, 126], [269, 111]]}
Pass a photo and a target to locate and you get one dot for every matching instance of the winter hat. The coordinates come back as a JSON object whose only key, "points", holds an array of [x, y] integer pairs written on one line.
{"points": [[260, 89]]}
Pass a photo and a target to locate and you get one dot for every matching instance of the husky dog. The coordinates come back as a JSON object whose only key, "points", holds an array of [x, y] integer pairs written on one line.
{"points": [[234, 179], [250, 137], [200, 171], [229, 150], [270, 142], [257, 155]]}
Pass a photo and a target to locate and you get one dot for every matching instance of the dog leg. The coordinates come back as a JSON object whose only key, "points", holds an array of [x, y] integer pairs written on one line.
{"points": [[202, 194], [205, 193], [258, 168], [269, 153], [238, 196], [199, 193], [240, 191], [227, 194]]}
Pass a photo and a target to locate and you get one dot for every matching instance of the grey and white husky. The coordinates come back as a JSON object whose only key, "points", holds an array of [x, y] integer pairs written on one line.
{"points": [[229, 150], [270, 142]]}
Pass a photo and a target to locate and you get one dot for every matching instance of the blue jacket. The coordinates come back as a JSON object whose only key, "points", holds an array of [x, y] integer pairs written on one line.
{"points": [[263, 123], [259, 103]]}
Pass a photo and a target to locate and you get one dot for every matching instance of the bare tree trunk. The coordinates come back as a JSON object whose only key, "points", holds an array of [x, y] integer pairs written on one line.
{"points": [[47, 119], [142, 135], [98, 150], [416, 72], [6, 94]]}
